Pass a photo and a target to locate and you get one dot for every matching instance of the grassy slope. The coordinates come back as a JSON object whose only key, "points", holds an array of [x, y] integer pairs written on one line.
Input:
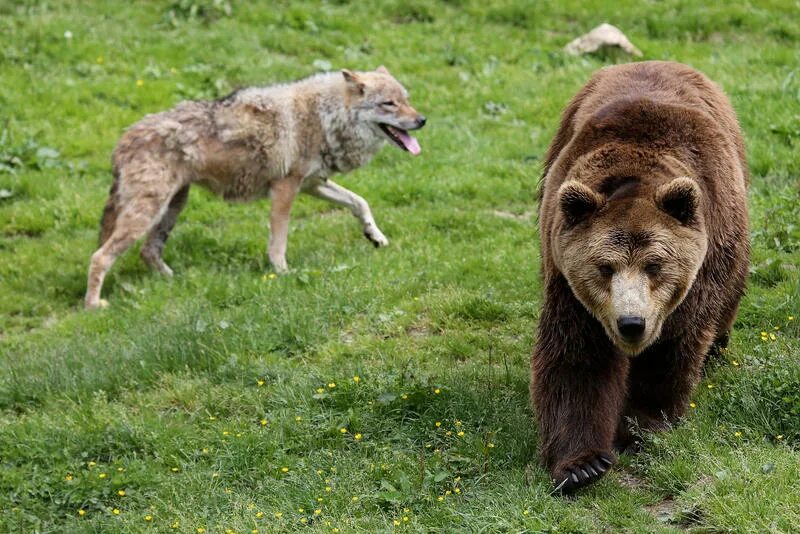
{"points": [[161, 392]]}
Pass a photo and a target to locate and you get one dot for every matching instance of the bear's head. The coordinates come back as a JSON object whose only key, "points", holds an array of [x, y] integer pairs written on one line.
{"points": [[630, 248]]}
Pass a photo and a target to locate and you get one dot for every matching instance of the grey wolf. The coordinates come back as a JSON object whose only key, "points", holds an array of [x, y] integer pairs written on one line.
{"points": [[272, 141]]}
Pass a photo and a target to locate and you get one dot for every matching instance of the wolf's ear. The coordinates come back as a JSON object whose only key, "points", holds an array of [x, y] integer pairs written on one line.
{"points": [[353, 80], [383, 70], [679, 199], [577, 201]]}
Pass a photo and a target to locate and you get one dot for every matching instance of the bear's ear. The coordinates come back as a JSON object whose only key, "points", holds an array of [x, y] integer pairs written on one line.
{"points": [[679, 199], [354, 80], [383, 70], [577, 201]]}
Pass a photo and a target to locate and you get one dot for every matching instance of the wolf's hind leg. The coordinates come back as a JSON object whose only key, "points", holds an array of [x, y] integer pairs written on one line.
{"points": [[282, 193], [153, 247], [137, 216], [337, 194]]}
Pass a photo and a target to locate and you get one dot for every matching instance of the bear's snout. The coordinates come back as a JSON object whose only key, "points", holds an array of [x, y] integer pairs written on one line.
{"points": [[631, 327]]}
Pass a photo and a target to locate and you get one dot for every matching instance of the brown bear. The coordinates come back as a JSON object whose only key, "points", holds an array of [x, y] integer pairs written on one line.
{"points": [[644, 245]]}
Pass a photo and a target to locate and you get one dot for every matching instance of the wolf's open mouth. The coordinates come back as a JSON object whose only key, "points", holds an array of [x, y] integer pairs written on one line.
{"points": [[401, 138]]}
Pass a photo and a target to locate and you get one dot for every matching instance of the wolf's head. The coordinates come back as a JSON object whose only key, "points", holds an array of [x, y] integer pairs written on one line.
{"points": [[381, 101]]}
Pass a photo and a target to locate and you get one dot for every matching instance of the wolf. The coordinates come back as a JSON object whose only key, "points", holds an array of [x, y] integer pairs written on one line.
{"points": [[274, 141]]}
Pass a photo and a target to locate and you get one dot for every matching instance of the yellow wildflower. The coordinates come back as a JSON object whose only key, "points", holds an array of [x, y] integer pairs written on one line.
{"points": [[737, 434], [327, 488], [301, 510], [791, 317], [355, 499], [332, 385], [396, 523], [440, 498], [101, 476], [121, 493], [320, 390], [298, 418], [68, 478], [779, 437], [200, 530], [263, 422], [356, 379], [710, 386], [115, 511], [175, 469], [404, 396], [91, 464], [772, 336], [693, 405], [491, 445], [272, 276], [303, 520], [259, 515], [260, 383], [438, 424], [437, 391], [285, 469], [343, 430], [148, 517], [139, 83], [317, 511], [357, 436], [278, 515], [81, 512], [460, 434]]}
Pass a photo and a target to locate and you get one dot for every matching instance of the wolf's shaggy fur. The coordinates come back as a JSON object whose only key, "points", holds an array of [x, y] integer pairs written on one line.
{"points": [[644, 241], [262, 141]]}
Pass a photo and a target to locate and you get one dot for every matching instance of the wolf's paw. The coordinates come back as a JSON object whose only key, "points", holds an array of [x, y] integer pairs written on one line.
{"points": [[99, 304], [376, 237], [572, 476]]}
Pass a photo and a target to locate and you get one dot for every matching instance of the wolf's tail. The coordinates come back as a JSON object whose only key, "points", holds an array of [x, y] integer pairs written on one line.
{"points": [[110, 212]]}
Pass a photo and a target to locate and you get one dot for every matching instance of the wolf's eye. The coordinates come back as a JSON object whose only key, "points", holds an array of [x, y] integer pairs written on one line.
{"points": [[652, 269], [389, 104], [606, 270]]}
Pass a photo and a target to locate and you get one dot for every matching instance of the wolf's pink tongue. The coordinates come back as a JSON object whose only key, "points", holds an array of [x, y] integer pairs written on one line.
{"points": [[409, 141]]}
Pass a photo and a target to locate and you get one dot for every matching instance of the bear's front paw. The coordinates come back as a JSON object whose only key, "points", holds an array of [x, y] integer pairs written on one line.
{"points": [[587, 469]]}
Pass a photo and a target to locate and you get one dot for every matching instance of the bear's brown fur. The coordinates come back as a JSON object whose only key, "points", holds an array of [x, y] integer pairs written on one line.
{"points": [[644, 242]]}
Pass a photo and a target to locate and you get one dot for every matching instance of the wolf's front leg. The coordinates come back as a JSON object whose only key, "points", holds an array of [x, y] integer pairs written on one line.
{"points": [[333, 192], [282, 193], [578, 388]]}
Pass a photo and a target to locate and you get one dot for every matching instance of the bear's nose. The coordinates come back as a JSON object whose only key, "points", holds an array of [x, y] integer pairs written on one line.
{"points": [[631, 327]]}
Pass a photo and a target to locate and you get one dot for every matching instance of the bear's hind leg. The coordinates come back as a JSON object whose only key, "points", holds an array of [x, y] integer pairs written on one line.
{"points": [[660, 384]]}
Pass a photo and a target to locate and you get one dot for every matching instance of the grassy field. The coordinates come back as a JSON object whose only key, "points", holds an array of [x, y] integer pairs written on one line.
{"points": [[369, 390]]}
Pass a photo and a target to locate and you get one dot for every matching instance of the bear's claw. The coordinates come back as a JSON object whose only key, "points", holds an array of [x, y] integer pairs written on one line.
{"points": [[582, 474]]}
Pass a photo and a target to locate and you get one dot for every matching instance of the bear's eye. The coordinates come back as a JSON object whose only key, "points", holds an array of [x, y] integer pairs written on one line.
{"points": [[606, 270], [652, 269]]}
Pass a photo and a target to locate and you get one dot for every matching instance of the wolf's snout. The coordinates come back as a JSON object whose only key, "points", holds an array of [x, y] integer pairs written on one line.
{"points": [[421, 120], [631, 327]]}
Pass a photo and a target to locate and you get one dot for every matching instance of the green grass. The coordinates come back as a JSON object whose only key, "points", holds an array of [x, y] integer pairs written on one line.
{"points": [[165, 392]]}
